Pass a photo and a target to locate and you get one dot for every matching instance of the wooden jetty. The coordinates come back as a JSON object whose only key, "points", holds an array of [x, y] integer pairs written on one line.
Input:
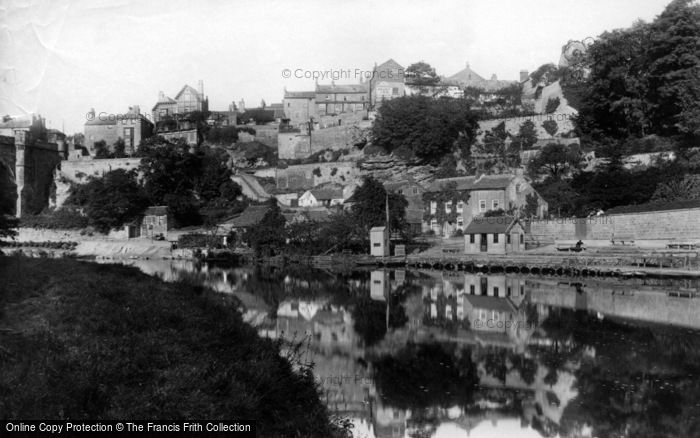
{"points": [[686, 264]]}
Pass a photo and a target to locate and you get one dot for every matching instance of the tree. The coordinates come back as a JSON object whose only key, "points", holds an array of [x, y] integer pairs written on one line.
{"points": [[646, 79], [369, 208], [111, 200], [119, 149], [526, 137], [552, 105], [550, 126], [421, 73], [681, 189], [673, 61], [101, 150], [431, 128], [556, 160], [269, 235]]}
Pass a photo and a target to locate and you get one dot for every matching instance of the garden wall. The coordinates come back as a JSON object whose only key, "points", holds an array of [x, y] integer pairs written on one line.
{"points": [[680, 225]]}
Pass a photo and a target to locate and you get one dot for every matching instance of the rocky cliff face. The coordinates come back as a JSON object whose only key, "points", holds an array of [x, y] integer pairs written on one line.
{"points": [[390, 168]]}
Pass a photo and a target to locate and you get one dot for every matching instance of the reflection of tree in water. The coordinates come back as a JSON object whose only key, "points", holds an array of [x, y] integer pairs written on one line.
{"points": [[427, 375], [641, 381], [370, 317]]}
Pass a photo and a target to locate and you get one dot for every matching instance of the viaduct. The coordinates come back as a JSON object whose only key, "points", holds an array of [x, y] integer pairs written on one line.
{"points": [[26, 171]]}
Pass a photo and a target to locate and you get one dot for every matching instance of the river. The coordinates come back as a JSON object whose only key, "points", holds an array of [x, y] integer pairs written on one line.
{"points": [[447, 354]]}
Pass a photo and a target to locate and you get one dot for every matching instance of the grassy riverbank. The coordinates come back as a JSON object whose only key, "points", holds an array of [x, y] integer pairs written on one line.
{"points": [[86, 341]]}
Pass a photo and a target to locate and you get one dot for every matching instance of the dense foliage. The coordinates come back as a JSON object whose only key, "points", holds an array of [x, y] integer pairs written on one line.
{"points": [[646, 79], [109, 201], [189, 182], [431, 128]]}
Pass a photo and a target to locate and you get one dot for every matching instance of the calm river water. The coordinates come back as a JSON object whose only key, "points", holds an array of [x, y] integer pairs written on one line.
{"points": [[438, 354]]}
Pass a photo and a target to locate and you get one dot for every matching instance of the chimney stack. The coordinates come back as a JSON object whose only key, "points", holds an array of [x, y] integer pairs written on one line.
{"points": [[200, 88], [524, 75], [161, 96]]}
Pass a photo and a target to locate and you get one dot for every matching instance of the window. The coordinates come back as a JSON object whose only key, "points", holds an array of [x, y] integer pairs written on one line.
{"points": [[415, 191], [482, 205], [460, 221], [433, 207], [448, 206], [460, 206], [400, 191], [471, 240], [288, 104], [472, 288], [508, 239], [495, 237], [517, 187], [345, 98], [521, 239], [377, 245], [494, 204], [508, 292]]}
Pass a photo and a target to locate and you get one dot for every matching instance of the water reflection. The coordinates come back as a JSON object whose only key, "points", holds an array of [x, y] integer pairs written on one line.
{"points": [[431, 354]]}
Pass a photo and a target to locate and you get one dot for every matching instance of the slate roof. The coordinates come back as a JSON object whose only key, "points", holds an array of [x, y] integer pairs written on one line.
{"points": [[389, 71], [251, 216], [299, 94], [485, 182], [327, 194], [156, 210], [490, 225], [490, 303], [192, 90], [341, 88]]}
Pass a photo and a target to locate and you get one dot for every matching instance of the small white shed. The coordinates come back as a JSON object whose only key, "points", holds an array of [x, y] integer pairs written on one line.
{"points": [[379, 242]]}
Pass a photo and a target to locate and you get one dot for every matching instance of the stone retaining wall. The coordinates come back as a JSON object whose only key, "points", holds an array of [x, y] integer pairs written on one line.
{"points": [[679, 225]]}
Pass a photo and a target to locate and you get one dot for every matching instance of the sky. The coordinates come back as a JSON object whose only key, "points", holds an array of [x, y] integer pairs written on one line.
{"points": [[61, 58]]}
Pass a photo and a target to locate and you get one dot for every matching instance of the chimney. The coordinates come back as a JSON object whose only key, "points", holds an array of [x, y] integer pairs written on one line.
{"points": [[200, 88], [241, 106], [467, 64], [161, 96], [135, 110], [493, 77], [524, 75]]}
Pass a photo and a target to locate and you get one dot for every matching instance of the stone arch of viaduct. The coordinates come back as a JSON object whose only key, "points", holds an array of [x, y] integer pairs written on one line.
{"points": [[26, 169]]}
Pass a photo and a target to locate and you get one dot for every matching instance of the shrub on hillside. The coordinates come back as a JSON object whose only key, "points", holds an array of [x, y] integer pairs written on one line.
{"points": [[61, 219]]}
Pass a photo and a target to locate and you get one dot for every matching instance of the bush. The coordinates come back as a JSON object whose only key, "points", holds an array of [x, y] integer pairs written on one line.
{"points": [[552, 105], [61, 219]]}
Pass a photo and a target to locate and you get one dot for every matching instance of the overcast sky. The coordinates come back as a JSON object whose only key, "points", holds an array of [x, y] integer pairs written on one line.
{"points": [[61, 58]]}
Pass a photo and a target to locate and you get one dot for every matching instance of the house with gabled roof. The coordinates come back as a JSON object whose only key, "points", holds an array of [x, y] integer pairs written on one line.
{"points": [[322, 197], [451, 203], [494, 235], [172, 117], [387, 82]]}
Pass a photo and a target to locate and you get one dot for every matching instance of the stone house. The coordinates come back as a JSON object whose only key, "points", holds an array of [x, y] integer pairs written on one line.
{"points": [[156, 221], [346, 98], [173, 117], [451, 203], [494, 235], [299, 107], [387, 82], [132, 127]]}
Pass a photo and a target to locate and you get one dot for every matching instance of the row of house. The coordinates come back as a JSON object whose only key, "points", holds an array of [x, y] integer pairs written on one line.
{"points": [[388, 81]]}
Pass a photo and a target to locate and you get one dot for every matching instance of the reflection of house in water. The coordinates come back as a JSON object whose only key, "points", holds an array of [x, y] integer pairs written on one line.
{"points": [[488, 305], [389, 422], [666, 305], [345, 379]]}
